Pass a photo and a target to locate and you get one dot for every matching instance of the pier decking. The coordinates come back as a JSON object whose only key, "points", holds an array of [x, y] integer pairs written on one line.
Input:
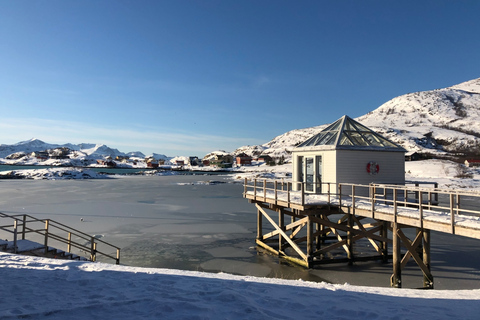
{"points": [[345, 214]]}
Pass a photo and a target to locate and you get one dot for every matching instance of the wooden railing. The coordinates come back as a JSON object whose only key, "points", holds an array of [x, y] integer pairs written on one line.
{"points": [[53, 233], [415, 200]]}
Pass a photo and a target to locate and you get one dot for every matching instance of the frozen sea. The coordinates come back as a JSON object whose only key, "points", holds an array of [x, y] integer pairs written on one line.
{"points": [[202, 223]]}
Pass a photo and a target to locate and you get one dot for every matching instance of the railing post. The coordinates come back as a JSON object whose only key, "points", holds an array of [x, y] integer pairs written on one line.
{"points": [[339, 196], [255, 188], [395, 196], [328, 191], [24, 226], [372, 194], [303, 193], [264, 189], [46, 235], [288, 193], [118, 257], [405, 195], [93, 249], [15, 223], [245, 186], [69, 242], [420, 207], [353, 199], [452, 213], [275, 184]]}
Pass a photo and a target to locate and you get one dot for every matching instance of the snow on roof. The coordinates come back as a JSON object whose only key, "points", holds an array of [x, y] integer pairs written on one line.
{"points": [[346, 133]]}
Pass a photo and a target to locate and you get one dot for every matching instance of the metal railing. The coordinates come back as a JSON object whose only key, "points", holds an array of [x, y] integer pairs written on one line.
{"points": [[52, 233]]}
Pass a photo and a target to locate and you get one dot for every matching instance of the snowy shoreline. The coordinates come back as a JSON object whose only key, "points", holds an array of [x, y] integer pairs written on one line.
{"points": [[60, 289]]}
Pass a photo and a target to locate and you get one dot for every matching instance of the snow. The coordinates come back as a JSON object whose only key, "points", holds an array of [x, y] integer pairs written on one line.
{"points": [[40, 288], [52, 174]]}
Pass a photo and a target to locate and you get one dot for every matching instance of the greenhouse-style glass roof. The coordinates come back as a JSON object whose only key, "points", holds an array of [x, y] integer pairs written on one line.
{"points": [[346, 133]]}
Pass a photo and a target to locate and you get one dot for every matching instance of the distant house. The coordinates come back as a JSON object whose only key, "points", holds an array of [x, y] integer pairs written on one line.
{"points": [[412, 156], [265, 158], [121, 158], [180, 162], [40, 155], [107, 162], [152, 163], [243, 159], [472, 163]]}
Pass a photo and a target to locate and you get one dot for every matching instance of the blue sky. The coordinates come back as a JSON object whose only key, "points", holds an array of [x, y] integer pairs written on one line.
{"points": [[190, 77]]}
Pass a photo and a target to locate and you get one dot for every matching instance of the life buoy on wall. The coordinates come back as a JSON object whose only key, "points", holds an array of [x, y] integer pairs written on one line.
{"points": [[373, 168]]}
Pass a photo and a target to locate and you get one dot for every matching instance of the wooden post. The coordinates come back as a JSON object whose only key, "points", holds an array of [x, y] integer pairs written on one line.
{"points": [[353, 199], [46, 236], [118, 256], [93, 249], [303, 193], [452, 213], [396, 279], [372, 195], [420, 208], [264, 189], [245, 186], [339, 197], [69, 242], [427, 282], [259, 225], [318, 227], [276, 192], [255, 188], [24, 226], [384, 244], [288, 193], [15, 233], [309, 240], [350, 237]]}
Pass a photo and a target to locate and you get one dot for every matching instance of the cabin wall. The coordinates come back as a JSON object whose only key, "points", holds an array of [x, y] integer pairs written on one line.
{"points": [[352, 165]]}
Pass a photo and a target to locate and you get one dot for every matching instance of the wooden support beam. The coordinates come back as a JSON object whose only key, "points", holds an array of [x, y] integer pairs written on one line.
{"points": [[427, 280], [349, 239], [283, 234], [259, 225], [396, 279]]}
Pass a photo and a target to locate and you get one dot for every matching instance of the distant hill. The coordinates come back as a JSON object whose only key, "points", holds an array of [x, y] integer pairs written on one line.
{"points": [[442, 122], [88, 149]]}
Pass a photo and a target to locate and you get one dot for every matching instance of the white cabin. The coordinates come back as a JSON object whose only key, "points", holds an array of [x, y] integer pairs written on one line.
{"points": [[347, 152]]}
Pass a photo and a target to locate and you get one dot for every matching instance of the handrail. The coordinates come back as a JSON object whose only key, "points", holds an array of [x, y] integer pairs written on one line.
{"points": [[374, 195], [51, 230]]}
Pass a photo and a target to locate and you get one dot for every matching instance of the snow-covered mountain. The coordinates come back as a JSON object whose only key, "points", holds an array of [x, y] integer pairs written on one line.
{"points": [[439, 122], [89, 150]]}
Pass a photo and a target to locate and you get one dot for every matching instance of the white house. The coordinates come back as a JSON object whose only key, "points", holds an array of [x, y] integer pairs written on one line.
{"points": [[347, 152]]}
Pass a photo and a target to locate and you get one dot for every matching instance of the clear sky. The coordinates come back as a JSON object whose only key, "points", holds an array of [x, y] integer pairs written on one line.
{"points": [[190, 77]]}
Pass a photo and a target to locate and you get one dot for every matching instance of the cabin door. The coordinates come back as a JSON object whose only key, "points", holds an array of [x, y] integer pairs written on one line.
{"points": [[312, 177]]}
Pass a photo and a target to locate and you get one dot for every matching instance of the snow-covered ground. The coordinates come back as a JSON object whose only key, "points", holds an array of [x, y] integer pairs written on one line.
{"points": [[39, 288]]}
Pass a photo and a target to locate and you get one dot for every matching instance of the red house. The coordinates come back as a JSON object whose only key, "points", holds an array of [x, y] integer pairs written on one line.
{"points": [[243, 160]]}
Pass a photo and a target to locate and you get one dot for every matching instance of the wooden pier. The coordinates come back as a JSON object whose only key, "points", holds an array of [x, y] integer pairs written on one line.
{"points": [[330, 227]]}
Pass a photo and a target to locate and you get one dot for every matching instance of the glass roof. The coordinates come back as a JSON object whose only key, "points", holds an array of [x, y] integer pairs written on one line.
{"points": [[349, 134]]}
